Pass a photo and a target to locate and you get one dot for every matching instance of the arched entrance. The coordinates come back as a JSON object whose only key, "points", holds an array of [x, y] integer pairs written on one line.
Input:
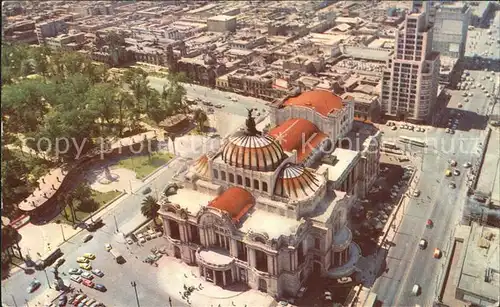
{"points": [[316, 268], [177, 252], [263, 285]]}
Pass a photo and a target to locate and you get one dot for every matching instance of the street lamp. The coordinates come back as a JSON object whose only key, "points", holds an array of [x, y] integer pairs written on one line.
{"points": [[47, 276], [134, 285], [14, 300]]}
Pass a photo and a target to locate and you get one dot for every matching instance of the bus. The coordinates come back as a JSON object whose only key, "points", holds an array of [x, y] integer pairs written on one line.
{"points": [[407, 140], [118, 257], [389, 145]]}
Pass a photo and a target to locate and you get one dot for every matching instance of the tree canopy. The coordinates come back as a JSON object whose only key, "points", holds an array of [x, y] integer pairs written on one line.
{"points": [[62, 103]]}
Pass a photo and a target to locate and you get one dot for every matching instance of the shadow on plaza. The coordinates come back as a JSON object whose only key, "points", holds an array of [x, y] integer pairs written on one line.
{"points": [[469, 120], [480, 63]]}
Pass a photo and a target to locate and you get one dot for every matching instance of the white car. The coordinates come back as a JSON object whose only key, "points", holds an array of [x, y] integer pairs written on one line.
{"points": [[416, 193], [76, 278], [467, 164], [456, 172]]}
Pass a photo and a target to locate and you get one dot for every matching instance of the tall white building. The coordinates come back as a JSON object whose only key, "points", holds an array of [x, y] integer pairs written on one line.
{"points": [[410, 83], [450, 28]]}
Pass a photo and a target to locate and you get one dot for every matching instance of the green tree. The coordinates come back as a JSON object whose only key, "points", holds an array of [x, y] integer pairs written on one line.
{"points": [[150, 207]]}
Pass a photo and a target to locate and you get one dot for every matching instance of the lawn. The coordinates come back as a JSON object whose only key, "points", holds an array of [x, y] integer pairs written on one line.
{"points": [[144, 165], [102, 199]]}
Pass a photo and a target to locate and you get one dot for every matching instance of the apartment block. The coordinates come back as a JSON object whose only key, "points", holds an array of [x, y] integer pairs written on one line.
{"points": [[450, 29], [410, 85], [221, 23], [52, 28]]}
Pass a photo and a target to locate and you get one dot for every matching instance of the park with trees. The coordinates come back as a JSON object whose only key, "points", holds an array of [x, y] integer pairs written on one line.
{"points": [[64, 95]]}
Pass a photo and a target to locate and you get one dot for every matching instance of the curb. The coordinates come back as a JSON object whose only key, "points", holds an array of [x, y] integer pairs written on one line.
{"points": [[92, 215], [394, 214], [159, 169]]}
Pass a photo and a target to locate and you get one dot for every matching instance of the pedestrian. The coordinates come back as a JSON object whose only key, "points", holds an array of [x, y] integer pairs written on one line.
{"points": [[170, 301]]}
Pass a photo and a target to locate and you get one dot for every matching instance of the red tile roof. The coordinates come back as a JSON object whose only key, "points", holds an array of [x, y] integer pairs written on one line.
{"points": [[299, 134], [236, 201], [322, 101]]}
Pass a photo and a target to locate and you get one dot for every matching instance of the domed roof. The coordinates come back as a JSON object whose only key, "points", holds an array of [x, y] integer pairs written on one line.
{"points": [[322, 101], [254, 152], [236, 201], [251, 150], [296, 182], [200, 167]]}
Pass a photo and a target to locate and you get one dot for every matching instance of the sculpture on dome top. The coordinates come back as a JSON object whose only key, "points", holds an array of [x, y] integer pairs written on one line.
{"points": [[250, 123]]}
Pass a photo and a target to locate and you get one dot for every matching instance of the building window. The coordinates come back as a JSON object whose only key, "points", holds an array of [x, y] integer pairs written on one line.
{"points": [[261, 261], [317, 243], [256, 184], [223, 175], [195, 234], [247, 182], [242, 251], [175, 232], [231, 177], [216, 174], [240, 180], [264, 186]]}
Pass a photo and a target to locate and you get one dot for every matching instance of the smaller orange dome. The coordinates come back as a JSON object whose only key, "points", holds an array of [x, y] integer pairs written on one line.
{"points": [[236, 201]]}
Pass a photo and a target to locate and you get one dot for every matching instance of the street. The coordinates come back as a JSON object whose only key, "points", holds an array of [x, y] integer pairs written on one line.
{"points": [[117, 277], [237, 107]]}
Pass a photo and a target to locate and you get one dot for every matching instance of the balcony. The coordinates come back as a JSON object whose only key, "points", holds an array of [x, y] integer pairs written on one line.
{"points": [[342, 239], [215, 258]]}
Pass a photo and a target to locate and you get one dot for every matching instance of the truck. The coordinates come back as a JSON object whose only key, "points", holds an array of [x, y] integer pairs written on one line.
{"points": [[118, 257]]}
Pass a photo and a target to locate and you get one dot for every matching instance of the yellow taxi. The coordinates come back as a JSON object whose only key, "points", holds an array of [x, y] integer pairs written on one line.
{"points": [[82, 260], [85, 266], [89, 256]]}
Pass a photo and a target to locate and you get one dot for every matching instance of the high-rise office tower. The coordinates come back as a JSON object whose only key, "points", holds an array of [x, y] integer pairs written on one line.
{"points": [[410, 83]]}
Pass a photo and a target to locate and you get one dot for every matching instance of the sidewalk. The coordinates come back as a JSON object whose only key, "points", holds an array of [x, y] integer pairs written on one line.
{"points": [[173, 274]]}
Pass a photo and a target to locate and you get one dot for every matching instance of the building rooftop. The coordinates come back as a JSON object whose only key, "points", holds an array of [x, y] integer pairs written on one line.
{"points": [[481, 258], [191, 200], [273, 224], [343, 158], [323, 102]]}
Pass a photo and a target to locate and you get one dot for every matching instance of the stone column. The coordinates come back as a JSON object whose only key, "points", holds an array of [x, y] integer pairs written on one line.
{"points": [[233, 247], [251, 253], [202, 236], [295, 259], [224, 278], [183, 232], [270, 268], [215, 277], [167, 227], [205, 273]]}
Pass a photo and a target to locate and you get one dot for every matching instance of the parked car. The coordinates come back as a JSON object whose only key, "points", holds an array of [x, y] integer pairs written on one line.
{"points": [[98, 272], [467, 164], [76, 278], [452, 185], [88, 283], [74, 271], [87, 275], [82, 260], [108, 247], [86, 266], [456, 172], [89, 256], [129, 241], [34, 285], [100, 287]]}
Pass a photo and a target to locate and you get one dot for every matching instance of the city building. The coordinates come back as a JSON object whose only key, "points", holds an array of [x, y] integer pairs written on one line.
{"points": [[324, 109], [477, 276], [52, 28], [71, 41], [222, 23], [254, 211], [450, 28], [410, 83]]}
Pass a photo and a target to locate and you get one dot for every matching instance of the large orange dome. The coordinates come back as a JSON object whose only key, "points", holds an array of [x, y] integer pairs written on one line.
{"points": [[254, 152], [322, 101]]}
